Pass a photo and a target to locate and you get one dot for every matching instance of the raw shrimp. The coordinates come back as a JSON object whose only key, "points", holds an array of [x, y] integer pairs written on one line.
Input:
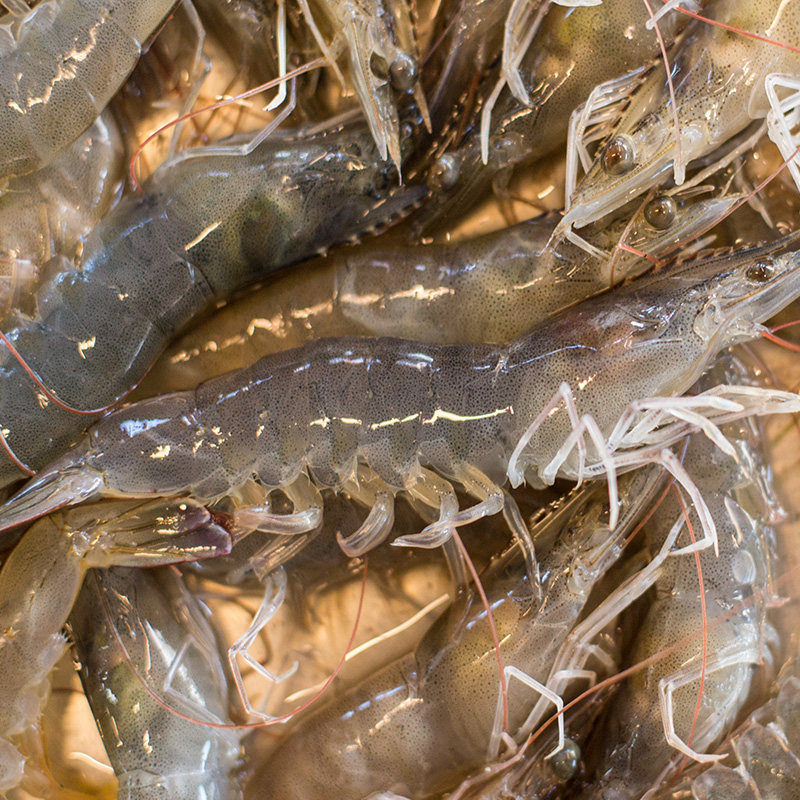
{"points": [[641, 734], [51, 212], [204, 227], [420, 725], [377, 417], [765, 751], [574, 50], [718, 78], [60, 64], [128, 623], [40, 581], [489, 289]]}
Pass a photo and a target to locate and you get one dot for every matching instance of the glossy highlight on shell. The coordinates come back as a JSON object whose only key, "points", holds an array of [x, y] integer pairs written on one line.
{"points": [[398, 401]]}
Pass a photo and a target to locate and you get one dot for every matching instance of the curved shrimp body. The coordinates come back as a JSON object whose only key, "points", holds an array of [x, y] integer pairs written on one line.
{"points": [[420, 725], [203, 228], [718, 79], [492, 289], [575, 49], [765, 751], [52, 211], [40, 581], [59, 66], [396, 406], [735, 593], [143, 625]]}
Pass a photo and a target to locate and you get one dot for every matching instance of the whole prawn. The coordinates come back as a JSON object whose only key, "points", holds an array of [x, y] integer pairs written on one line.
{"points": [[60, 64], [408, 413], [490, 289], [203, 228]]}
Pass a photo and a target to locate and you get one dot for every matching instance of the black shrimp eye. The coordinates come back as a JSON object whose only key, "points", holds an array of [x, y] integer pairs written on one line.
{"points": [[403, 72], [660, 212], [760, 272], [445, 172], [565, 762], [618, 156], [379, 67]]}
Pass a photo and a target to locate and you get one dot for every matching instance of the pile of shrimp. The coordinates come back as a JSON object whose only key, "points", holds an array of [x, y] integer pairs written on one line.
{"points": [[399, 400]]}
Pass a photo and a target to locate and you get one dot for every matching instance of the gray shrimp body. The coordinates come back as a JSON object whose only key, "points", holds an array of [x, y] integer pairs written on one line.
{"points": [[203, 228], [735, 583], [397, 406], [422, 724], [156, 754], [491, 289], [60, 64]]}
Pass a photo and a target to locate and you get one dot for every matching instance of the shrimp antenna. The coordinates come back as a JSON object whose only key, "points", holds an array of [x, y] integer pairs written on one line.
{"points": [[280, 82]]}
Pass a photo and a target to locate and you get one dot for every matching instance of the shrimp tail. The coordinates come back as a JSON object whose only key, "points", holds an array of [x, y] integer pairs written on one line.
{"points": [[66, 482], [162, 531]]}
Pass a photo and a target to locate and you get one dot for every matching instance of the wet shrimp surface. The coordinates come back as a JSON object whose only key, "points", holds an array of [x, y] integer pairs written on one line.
{"points": [[399, 401]]}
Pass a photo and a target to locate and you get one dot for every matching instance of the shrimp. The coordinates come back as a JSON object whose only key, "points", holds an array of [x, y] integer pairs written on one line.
{"points": [[203, 228], [492, 289], [142, 621], [400, 415], [420, 725], [641, 734], [40, 581], [60, 64], [51, 212], [575, 48], [718, 80]]}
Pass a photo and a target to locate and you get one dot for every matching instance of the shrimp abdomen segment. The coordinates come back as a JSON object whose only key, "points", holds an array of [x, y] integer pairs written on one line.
{"points": [[70, 58]]}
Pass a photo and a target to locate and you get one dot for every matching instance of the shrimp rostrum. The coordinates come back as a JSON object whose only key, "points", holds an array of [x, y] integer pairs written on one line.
{"points": [[403, 414]]}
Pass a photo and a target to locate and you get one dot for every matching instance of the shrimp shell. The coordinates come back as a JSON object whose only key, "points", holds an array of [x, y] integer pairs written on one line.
{"points": [[59, 66]]}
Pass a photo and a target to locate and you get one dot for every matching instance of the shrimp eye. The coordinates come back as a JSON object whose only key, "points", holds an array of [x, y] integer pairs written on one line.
{"points": [[445, 172], [618, 155], [760, 272], [403, 72], [379, 67], [660, 212], [565, 762]]}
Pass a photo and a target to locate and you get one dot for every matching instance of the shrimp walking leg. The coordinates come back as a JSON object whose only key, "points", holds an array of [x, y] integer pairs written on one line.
{"points": [[783, 117]]}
